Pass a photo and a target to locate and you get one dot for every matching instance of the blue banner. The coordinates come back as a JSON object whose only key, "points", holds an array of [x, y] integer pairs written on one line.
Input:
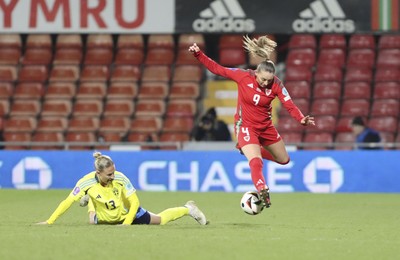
{"points": [[308, 171]]}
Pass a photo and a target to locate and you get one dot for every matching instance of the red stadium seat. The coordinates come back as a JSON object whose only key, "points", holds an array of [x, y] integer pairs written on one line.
{"points": [[4, 107], [99, 41], [181, 107], [60, 90], [153, 90], [119, 107], [187, 73], [52, 124], [288, 124], [16, 137], [125, 73], [20, 124], [362, 41], [184, 90], [160, 41], [83, 124], [37, 57], [142, 124], [388, 58], [56, 107], [64, 73], [325, 123], [95, 73], [130, 41], [332, 41], [160, 56], [355, 107], [8, 73], [69, 41], [327, 106], [387, 74], [298, 89], [356, 90], [10, 41], [387, 90], [332, 57], [344, 124], [87, 107], [344, 141], [98, 56], [389, 41], [232, 57], [38, 41], [115, 124], [178, 124], [292, 138], [156, 73], [298, 73], [301, 57], [130, 56], [385, 107], [149, 107], [25, 107], [122, 90], [185, 40], [318, 141], [9, 56], [91, 90], [33, 73], [302, 41], [358, 74], [328, 73], [184, 57], [41, 138], [77, 140], [383, 123], [174, 137], [68, 56], [327, 89], [361, 58], [230, 41], [28, 91], [6, 90]]}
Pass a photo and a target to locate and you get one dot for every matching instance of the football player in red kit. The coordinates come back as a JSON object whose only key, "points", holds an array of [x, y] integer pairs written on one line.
{"points": [[256, 135]]}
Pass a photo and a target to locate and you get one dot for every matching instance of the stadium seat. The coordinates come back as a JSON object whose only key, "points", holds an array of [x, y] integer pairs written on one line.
{"points": [[4, 107], [115, 124], [362, 41], [6, 90], [318, 141], [142, 137], [122, 90], [388, 58], [99, 41], [153, 90], [160, 56], [298, 73], [385, 107], [325, 106], [358, 74], [37, 57], [8, 73], [187, 39], [33, 73], [83, 124], [68, 57], [98, 56], [94, 73], [292, 138], [69, 41], [288, 124], [119, 107], [232, 57], [64, 73], [332, 57], [10, 41], [20, 124], [125, 73], [387, 74], [389, 41], [9, 56], [142, 124], [387, 90], [327, 89], [129, 41], [165, 41], [25, 107], [16, 137], [255, 60], [187, 73], [28, 91], [79, 138], [43, 140], [60, 90], [383, 123], [39, 41], [344, 141], [149, 107], [301, 57], [177, 124], [328, 73], [230, 41], [324, 123], [387, 137], [184, 57], [344, 124], [174, 137], [56, 107], [361, 58], [156, 73], [302, 41], [356, 90], [181, 107], [52, 124], [130, 56], [332, 41], [355, 107], [184, 90], [87, 107], [91, 90]]}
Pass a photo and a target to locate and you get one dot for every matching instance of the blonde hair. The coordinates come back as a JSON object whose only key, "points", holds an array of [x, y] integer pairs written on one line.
{"points": [[262, 47], [102, 161]]}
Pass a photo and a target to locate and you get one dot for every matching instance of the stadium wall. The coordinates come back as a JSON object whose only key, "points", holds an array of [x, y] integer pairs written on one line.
{"points": [[203, 171]]}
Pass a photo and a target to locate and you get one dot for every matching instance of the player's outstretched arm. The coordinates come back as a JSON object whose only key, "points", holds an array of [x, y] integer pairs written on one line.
{"points": [[194, 48], [64, 206]]}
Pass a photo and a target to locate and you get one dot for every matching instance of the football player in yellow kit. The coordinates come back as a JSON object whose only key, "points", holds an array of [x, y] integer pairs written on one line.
{"points": [[113, 200]]}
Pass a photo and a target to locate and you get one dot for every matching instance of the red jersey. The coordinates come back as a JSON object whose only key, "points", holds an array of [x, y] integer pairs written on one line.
{"points": [[254, 102]]}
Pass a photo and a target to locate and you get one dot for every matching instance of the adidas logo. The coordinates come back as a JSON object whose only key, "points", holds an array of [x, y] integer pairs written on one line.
{"points": [[223, 16], [98, 196], [323, 16]]}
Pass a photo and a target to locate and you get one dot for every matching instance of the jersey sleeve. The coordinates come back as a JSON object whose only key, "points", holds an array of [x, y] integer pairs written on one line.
{"points": [[133, 201], [129, 189], [230, 73], [287, 101]]}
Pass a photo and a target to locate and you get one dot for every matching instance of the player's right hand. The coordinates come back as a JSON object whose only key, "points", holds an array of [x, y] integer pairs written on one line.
{"points": [[194, 48]]}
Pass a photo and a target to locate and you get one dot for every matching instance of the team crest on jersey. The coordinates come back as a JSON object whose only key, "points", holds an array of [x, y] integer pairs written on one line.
{"points": [[76, 191], [246, 138], [115, 191], [268, 91]]}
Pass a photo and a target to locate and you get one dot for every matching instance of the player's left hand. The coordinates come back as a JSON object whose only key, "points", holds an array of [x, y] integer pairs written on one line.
{"points": [[308, 120]]}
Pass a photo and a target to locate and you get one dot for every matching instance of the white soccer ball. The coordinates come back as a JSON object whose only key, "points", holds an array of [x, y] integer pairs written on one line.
{"points": [[251, 203]]}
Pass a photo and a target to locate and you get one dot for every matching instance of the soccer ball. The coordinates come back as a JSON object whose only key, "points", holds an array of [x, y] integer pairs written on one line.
{"points": [[251, 203]]}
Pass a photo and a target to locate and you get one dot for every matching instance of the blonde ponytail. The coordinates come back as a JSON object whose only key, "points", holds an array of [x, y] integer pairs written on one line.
{"points": [[262, 47], [102, 161]]}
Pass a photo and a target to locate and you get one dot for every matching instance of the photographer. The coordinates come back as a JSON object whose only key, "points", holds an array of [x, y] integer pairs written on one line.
{"points": [[210, 128]]}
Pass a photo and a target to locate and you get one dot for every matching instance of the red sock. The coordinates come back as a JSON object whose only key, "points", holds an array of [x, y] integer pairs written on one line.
{"points": [[256, 165]]}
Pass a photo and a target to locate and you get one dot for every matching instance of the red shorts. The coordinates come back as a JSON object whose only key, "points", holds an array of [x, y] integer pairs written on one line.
{"points": [[249, 135]]}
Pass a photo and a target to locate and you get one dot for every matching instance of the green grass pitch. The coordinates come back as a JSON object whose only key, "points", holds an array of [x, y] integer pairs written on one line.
{"points": [[297, 226]]}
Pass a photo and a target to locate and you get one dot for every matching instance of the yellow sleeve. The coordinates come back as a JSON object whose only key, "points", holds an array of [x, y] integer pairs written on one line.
{"points": [[64, 206], [134, 202], [91, 206]]}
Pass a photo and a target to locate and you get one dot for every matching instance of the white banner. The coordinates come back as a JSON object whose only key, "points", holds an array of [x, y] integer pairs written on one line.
{"points": [[87, 16]]}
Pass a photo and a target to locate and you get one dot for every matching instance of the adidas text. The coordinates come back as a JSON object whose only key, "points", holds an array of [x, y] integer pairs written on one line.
{"points": [[324, 25], [224, 25]]}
